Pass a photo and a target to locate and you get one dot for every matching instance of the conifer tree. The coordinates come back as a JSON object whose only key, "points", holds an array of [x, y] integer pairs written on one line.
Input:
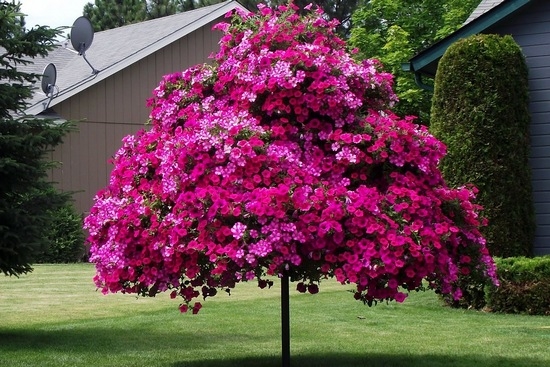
{"points": [[25, 194], [108, 14]]}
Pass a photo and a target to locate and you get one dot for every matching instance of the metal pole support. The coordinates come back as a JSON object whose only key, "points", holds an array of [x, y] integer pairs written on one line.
{"points": [[285, 320]]}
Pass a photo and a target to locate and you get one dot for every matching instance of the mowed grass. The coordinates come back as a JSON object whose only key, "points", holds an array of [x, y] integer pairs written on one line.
{"points": [[55, 317]]}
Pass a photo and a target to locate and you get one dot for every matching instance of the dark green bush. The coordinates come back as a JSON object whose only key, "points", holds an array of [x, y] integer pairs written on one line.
{"points": [[524, 286], [480, 111], [65, 237]]}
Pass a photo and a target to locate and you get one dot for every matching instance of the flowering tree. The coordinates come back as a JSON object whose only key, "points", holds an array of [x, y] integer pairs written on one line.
{"points": [[282, 158]]}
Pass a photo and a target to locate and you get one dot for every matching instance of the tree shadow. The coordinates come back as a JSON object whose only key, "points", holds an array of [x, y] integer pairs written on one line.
{"points": [[126, 343], [111, 341], [370, 360]]}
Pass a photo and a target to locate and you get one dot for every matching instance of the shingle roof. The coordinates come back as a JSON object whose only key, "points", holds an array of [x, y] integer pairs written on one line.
{"points": [[115, 49], [483, 7]]}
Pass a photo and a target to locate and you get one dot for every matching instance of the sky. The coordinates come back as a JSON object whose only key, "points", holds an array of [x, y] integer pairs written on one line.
{"points": [[53, 13]]}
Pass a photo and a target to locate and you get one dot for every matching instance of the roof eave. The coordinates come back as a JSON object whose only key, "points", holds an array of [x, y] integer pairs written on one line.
{"points": [[38, 107], [432, 54]]}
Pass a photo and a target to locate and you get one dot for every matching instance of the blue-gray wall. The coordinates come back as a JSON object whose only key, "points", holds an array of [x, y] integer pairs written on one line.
{"points": [[530, 27]]}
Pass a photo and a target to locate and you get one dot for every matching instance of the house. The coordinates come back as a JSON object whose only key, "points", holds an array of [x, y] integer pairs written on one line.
{"points": [[528, 22], [111, 103]]}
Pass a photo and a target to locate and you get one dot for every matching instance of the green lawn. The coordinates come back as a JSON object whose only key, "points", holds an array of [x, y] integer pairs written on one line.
{"points": [[55, 317]]}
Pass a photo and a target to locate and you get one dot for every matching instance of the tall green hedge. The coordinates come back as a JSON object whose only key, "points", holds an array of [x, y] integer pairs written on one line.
{"points": [[480, 111]]}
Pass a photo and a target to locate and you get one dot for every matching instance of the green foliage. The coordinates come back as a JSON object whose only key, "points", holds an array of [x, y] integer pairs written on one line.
{"points": [[65, 237], [108, 14], [25, 196], [480, 110], [186, 5], [393, 31], [524, 286], [23, 218], [524, 269], [161, 8]]}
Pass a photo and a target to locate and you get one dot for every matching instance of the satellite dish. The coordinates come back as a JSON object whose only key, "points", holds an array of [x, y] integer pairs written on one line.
{"points": [[49, 76], [82, 36]]}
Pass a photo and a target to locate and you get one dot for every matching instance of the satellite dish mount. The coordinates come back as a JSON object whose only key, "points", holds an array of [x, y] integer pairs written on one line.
{"points": [[49, 77], [82, 36]]}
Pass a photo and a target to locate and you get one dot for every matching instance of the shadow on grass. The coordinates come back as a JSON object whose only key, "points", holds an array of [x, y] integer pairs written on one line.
{"points": [[119, 341], [200, 348], [109, 341], [370, 360]]}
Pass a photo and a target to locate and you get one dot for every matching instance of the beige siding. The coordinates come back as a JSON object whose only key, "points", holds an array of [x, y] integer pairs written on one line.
{"points": [[114, 108]]}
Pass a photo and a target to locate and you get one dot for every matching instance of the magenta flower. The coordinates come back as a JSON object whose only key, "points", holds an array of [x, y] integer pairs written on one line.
{"points": [[238, 230]]}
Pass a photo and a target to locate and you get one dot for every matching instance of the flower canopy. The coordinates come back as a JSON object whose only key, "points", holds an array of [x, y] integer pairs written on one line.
{"points": [[282, 157]]}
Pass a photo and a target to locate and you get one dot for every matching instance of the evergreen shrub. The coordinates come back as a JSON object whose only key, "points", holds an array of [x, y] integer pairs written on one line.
{"points": [[65, 237], [480, 111], [524, 286], [26, 195]]}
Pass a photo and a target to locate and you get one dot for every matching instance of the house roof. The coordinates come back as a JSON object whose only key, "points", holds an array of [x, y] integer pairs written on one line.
{"points": [[115, 49], [486, 15], [483, 7]]}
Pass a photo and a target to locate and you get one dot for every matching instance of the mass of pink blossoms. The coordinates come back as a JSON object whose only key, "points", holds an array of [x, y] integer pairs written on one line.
{"points": [[282, 157]]}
